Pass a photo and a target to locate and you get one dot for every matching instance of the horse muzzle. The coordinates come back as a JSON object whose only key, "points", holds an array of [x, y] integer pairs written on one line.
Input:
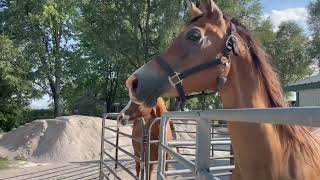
{"points": [[123, 119], [146, 85]]}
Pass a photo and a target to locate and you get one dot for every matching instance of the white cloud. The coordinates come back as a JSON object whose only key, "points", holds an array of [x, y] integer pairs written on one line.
{"points": [[299, 15]]}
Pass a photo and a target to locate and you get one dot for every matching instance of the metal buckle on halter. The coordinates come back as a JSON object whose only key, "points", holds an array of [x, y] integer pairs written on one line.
{"points": [[231, 39], [175, 79], [225, 60]]}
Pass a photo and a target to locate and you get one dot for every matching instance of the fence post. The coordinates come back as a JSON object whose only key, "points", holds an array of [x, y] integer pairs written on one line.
{"points": [[212, 137], [203, 138], [117, 144], [143, 150], [162, 153], [101, 176]]}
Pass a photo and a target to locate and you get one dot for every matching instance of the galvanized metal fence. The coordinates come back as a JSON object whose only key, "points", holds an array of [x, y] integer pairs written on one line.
{"points": [[108, 170], [201, 167]]}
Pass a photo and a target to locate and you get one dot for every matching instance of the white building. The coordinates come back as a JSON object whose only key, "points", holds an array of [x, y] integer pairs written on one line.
{"points": [[307, 91]]}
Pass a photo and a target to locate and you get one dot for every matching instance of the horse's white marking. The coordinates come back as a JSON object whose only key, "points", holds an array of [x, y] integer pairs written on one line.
{"points": [[122, 117], [205, 42]]}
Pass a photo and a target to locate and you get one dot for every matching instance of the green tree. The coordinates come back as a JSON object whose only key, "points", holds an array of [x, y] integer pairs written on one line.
{"points": [[266, 35], [119, 36], [314, 26], [44, 30], [248, 11], [289, 53], [314, 16], [15, 85], [116, 38], [204, 102], [287, 48]]}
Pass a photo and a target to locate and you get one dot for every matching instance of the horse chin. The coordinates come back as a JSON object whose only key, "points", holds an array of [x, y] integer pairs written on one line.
{"points": [[148, 102], [135, 100], [171, 93]]}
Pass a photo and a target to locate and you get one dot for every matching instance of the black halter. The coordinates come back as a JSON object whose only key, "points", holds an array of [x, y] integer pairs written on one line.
{"points": [[176, 78]]}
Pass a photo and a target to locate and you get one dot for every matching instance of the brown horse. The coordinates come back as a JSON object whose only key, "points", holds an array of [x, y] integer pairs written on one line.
{"points": [[132, 112], [262, 151]]}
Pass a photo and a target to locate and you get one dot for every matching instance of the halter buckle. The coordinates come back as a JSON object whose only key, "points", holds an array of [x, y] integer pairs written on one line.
{"points": [[175, 79]]}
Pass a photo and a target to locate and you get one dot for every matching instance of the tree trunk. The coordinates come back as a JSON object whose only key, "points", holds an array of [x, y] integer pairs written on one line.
{"points": [[56, 100], [108, 105], [58, 72], [172, 102], [147, 29], [56, 97]]}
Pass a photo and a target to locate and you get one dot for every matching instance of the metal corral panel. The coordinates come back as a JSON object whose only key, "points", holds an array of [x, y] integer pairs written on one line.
{"points": [[309, 97]]}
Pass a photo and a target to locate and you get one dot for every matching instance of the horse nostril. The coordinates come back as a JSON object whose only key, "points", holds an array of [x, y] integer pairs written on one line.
{"points": [[134, 85]]}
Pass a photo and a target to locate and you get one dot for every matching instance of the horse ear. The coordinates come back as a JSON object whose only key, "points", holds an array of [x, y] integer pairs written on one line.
{"points": [[210, 7], [160, 108], [193, 9]]}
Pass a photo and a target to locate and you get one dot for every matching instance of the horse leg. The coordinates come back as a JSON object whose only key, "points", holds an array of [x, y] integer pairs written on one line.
{"points": [[138, 168], [150, 171]]}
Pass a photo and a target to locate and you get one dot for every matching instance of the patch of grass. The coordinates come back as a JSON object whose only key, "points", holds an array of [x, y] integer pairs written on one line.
{"points": [[4, 162]]}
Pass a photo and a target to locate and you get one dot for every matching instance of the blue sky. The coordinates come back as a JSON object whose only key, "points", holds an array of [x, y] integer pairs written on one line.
{"points": [[269, 5], [277, 10], [286, 10]]}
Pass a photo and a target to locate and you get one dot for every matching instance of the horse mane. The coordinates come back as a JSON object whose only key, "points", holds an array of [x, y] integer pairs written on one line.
{"points": [[296, 138]]}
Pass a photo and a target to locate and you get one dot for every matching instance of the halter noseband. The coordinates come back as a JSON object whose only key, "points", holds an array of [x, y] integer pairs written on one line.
{"points": [[176, 78]]}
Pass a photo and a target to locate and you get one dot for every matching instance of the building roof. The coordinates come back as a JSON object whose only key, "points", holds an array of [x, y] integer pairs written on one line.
{"points": [[309, 83]]}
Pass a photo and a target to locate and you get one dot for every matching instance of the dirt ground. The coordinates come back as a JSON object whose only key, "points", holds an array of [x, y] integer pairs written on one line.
{"points": [[72, 171]]}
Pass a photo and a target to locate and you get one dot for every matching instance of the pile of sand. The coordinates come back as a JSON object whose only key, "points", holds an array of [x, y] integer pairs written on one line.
{"points": [[70, 138]]}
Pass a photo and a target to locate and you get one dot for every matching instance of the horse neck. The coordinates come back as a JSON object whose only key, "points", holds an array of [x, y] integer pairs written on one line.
{"points": [[245, 89]]}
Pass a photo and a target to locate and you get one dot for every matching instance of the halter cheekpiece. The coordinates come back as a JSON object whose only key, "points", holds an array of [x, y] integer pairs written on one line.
{"points": [[176, 78]]}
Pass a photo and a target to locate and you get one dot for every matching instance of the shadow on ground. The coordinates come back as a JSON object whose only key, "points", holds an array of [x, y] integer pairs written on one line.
{"points": [[75, 170]]}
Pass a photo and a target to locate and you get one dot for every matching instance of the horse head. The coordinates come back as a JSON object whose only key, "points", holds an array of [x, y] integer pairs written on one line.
{"points": [[188, 60], [134, 111]]}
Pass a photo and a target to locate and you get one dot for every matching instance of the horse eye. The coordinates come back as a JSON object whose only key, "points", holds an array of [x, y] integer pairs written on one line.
{"points": [[194, 35]]}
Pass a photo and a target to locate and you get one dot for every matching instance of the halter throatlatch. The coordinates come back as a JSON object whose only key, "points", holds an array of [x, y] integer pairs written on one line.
{"points": [[176, 78]]}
